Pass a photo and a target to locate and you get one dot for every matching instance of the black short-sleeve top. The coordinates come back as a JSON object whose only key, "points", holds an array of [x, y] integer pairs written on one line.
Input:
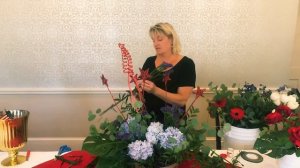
{"points": [[182, 74]]}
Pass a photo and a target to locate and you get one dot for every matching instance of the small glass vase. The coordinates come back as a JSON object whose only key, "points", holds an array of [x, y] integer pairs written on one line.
{"points": [[290, 161]]}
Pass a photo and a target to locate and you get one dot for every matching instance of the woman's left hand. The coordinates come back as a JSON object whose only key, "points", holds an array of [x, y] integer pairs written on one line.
{"points": [[148, 86]]}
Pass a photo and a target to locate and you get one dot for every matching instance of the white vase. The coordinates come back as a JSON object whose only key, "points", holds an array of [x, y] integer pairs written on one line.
{"points": [[289, 161], [241, 138]]}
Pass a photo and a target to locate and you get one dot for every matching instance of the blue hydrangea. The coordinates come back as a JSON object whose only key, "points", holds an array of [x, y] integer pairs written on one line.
{"points": [[171, 138], [154, 130], [129, 130], [140, 150]]}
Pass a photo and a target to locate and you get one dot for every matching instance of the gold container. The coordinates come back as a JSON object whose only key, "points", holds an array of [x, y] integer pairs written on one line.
{"points": [[13, 136]]}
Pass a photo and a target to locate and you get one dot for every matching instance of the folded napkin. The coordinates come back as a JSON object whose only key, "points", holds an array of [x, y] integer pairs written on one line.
{"points": [[73, 159]]}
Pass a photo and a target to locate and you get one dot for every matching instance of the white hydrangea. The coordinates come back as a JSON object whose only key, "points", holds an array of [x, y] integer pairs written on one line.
{"points": [[155, 128], [152, 138], [140, 150], [171, 138]]}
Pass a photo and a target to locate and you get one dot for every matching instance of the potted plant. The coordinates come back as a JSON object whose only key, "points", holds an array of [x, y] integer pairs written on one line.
{"points": [[134, 138], [281, 137], [241, 110]]}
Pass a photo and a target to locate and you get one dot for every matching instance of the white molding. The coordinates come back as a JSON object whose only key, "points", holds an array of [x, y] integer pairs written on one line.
{"points": [[53, 143], [56, 138], [67, 91], [37, 91]]}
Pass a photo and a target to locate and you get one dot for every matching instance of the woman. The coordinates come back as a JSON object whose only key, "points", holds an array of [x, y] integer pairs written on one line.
{"points": [[177, 90]]}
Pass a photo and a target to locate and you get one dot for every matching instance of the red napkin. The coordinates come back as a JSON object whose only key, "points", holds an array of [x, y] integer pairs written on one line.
{"points": [[83, 159]]}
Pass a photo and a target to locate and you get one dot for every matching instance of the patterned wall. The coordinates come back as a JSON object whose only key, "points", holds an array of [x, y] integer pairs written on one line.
{"points": [[69, 43]]}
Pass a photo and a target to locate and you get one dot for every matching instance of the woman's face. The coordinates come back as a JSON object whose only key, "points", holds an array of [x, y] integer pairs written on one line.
{"points": [[162, 44]]}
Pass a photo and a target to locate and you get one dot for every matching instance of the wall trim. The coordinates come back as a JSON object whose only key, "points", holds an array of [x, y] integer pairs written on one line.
{"points": [[37, 91], [70, 91]]}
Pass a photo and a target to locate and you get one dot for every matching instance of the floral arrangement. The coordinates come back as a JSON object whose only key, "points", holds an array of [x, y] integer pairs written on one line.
{"points": [[134, 138], [282, 135], [245, 109]]}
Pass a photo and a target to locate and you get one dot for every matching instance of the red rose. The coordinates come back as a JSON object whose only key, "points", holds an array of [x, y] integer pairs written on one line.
{"points": [[285, 110], [220, 103], [237, 113], [295, 135], [273, 118]]}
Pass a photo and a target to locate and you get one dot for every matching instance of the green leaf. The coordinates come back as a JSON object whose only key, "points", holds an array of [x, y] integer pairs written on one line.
{"points": [[221, 133], [138, 104], [91, 116], [205, 149], [138, 117], [112, 138], [93, 130], [201, 137], [120, 119], [98, 111], [289, 145], [205, 126], [227, 127], [298, 152]]}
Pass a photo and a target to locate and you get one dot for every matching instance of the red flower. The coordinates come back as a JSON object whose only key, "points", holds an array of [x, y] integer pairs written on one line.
{"points": [[126, 60], [237, 113], [199, 92], [273, 118], [295, 135], [220, 103], [145, 74], [285, 110], [104, 80], [223, 155], [134, 79]]}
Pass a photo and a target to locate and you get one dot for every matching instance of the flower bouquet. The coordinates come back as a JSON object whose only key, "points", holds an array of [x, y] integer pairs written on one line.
{"points": [[134, 138], [245, 109], [281, 136]]}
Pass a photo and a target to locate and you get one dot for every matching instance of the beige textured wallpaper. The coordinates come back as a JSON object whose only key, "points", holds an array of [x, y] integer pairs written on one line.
{"points": [[295, 62], [52, 53], [68, 43]]}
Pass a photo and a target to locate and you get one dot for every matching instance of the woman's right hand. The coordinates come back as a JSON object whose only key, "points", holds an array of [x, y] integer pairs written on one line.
{"points": [[147, 86]]}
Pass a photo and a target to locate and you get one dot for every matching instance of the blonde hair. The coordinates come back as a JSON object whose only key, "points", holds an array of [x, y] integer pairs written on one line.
{"points": [[168, 30]]}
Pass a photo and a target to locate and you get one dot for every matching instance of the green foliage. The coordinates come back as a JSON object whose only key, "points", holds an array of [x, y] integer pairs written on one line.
{"points": [[109, 152], [275, 144], [255, 103], [280, 138]]}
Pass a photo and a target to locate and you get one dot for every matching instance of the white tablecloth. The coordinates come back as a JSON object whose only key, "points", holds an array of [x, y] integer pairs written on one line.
{"points": [[267, 162], [40, 157], [34, 159]]}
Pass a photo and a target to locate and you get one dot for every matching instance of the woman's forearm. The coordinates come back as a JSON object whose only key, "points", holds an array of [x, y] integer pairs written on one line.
{"points": [[179, 98]]}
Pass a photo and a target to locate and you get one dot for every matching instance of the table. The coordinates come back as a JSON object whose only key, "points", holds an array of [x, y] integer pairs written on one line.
{"points": [[38, 157], [267, 162], [35, 158]]}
